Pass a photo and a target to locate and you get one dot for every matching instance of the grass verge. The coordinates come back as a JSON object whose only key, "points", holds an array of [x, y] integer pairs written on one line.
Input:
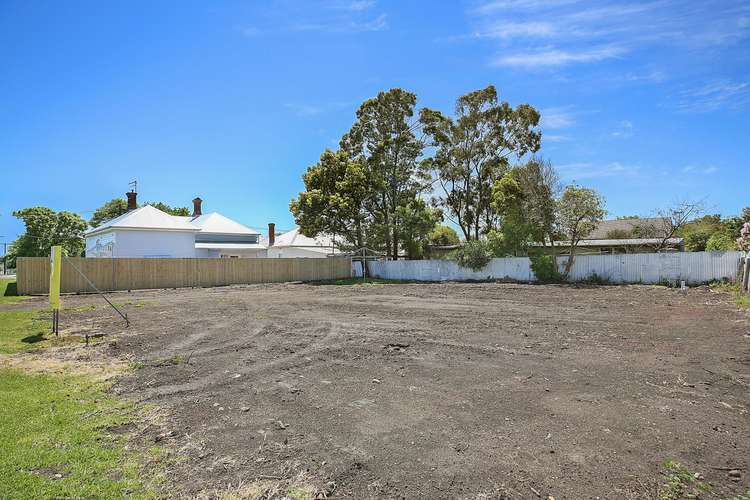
{"points": [[22, 331], [8, 292], [54, 440], [733, 289]]}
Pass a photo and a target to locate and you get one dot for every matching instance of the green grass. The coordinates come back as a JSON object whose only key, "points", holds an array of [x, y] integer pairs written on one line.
{"points": [[682, 483], [54, 443], [8, 292], [23, 331], [733, 289]]}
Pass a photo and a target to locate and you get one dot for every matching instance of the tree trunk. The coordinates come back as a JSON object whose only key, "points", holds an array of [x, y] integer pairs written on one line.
{"points": [[571, 257], [360, 238], [387, 223], [395, 243], [552, 246]]}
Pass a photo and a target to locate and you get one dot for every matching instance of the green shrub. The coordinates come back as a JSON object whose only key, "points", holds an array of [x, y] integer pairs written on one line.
{"points": [[544, 267], [597, 279], [720, 242], [475, 254], [696, 241], [443, 235]]}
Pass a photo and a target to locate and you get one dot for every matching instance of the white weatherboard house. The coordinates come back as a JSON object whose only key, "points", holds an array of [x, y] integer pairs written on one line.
{"points": [[295, 244], [147, 232]]}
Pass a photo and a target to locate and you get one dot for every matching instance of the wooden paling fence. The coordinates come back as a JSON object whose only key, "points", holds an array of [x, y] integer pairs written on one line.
{"points": [[32, 273]]}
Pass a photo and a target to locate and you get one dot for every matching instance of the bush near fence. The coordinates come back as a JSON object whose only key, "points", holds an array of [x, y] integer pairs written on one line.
{"points": [[648, 268], [138, 274]]}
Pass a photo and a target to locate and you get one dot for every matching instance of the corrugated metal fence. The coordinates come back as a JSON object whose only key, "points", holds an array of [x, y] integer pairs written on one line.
{"points": [[137, 274], [650, 268]]}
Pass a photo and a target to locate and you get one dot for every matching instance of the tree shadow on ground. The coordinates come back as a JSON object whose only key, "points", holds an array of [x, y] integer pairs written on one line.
{"points": [[33, 339], [11, 289]]}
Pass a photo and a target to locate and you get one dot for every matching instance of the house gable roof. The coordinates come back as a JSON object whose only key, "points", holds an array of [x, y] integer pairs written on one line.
{"points": [[294, 238], [628, 225], [146, 218], [215, 223]]}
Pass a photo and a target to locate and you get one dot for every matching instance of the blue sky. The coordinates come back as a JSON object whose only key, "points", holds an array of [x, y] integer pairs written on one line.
{"points": [[647, 102]]}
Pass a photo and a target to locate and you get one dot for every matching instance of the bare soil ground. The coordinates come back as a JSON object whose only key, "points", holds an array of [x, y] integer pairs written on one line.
{"points": [[455, 390]]}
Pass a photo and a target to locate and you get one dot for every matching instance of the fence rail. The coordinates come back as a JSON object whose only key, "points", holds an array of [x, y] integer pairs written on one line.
{"points": [[138, 274], [692, 267]]}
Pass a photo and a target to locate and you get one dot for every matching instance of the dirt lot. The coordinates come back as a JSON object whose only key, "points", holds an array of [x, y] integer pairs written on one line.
{"points": [[440, 390]]}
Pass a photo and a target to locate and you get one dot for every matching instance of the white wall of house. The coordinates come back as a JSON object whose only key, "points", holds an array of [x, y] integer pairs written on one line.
{"points": [[297, 252], [214, 253], [137, 244]]}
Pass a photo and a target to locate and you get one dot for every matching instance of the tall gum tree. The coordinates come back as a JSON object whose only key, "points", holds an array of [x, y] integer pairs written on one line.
{"points": [[383, 138], [333, 200], [472, 152], [580, 210]]}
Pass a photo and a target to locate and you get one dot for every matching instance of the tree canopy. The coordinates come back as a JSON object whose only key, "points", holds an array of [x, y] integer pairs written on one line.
{"points": [[113, 208], [416, 221], [182, 211], [44, 229], [472, 152], [524, 199], [333, 200], [383, 139], [443, 236], [476, 166], [580, 211], [118, 206]]}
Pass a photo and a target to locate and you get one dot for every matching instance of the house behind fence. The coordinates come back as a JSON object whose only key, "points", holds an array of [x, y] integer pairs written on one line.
{"points": [[138, 274], [647, 268]]}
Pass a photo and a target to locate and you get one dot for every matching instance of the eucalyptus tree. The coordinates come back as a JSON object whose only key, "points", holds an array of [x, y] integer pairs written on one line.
{"points": [[45, 228], [524, 199], [473, 151], [384, 140], [333, 200], [580, 210]]}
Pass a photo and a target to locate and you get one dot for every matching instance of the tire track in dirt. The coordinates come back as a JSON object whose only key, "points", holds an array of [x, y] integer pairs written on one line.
{"points": [[220, 377]]}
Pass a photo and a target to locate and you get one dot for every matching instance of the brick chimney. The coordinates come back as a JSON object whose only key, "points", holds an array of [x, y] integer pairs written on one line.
{"points": [[271, 233], [197, 207], [132, 204]]}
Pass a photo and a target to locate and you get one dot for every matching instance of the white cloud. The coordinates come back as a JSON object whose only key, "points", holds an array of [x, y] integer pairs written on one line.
{"points": [[695, 169], [251, 32], [337, 25], [358, 5], [576, 32], [504, 5], [556, 118], [717, 94], [304, 110], [515, 29], [654, 76], [577, 171], [325, 16], [554, 138], [556, 57], [624, 131]]}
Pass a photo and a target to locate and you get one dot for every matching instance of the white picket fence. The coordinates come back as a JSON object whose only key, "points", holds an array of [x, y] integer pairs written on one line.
{"points": [[647, 268]]}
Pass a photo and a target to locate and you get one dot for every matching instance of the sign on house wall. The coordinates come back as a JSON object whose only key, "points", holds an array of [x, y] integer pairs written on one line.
{"points": [[103, 245]]}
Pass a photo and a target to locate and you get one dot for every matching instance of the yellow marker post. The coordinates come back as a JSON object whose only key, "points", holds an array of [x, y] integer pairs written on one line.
{"points": [[54, 285]]}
